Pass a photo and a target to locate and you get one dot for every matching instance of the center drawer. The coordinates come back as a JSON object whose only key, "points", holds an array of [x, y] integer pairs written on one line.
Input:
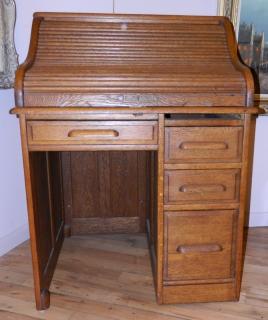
{"points": [[91, 132]]}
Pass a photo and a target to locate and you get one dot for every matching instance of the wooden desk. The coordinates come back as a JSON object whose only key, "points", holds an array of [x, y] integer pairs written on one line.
{"points": [[132, 123]]}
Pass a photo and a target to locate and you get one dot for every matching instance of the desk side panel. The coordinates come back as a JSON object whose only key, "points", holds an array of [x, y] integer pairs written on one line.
{"points": [[46, 189]]}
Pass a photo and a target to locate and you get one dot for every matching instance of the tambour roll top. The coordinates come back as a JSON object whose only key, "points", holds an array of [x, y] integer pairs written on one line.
{"points": [[101, 60]]}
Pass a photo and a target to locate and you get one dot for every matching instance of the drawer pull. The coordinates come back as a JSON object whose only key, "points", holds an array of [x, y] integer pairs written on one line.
{"points": [[200, 188], [91, 133], [199, 248], [203, 145]]}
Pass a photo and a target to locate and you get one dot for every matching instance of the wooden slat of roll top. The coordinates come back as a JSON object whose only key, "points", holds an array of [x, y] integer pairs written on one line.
{"points": [[133, 26], [121, 83], [131, 54], [95, 38], [132, 35], [124, 40], [106, 17], [180, 22], [89, 88], [74, 74]]}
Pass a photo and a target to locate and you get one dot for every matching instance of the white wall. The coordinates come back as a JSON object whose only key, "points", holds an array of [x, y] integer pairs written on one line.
{"points": [[259, 194], [13, 227], [184, 7]]}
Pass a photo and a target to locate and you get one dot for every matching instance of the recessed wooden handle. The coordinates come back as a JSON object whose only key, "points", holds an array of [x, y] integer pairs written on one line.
{"points": [[199, 248], [202, 188], [91, 133], [201, 145]]}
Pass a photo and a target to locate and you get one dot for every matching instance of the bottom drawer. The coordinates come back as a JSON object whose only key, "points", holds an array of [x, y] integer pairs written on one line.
{"points": [[199, 245]]}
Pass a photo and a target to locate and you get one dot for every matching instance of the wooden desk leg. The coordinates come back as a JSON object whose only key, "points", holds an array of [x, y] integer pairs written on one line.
{"points": [[247, 156], [160, 208], [67, 186], [45, 215]]}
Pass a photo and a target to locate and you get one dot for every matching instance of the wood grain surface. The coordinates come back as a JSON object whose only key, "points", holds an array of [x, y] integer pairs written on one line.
{"points": [[190, 241], [91, 132], [97, 197], [203, 144]]}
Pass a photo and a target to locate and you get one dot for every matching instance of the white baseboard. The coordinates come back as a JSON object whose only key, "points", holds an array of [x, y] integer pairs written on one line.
{"points": [[258, 219], [13, 239]]}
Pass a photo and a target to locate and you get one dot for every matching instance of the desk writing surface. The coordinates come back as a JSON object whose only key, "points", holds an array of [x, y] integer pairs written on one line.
{"points": [[133, 123]]}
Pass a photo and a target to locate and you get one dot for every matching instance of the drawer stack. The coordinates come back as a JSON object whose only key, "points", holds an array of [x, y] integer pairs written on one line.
{"points": [[202, 170]]}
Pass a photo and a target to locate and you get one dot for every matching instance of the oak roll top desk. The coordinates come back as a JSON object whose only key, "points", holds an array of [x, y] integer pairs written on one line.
{"points": [[137, 122]]}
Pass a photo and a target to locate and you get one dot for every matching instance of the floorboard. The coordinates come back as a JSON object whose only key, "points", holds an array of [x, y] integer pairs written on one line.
{"points": [[109, 277]]}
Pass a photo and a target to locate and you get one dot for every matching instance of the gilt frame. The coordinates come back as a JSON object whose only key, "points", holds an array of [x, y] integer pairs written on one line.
{"points": [[8, 54], [231, 9]]}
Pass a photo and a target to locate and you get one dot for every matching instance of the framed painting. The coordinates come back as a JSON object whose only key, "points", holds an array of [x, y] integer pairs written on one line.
{"points": [[8, 55], [250, 20]]}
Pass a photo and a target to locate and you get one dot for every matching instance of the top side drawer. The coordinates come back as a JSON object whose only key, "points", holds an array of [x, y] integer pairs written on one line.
{"points": [[203, 144], [91, 132]]}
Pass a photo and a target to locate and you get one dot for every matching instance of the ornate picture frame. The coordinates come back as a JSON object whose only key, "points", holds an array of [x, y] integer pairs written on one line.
{"points": [[8, 54], [232, 9]]}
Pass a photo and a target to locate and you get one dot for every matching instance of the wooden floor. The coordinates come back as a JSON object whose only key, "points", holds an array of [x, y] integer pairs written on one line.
{"points": [[109, 277]]}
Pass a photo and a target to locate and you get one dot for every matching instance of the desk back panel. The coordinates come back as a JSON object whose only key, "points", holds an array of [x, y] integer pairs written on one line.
{"points": [[106, 191]]}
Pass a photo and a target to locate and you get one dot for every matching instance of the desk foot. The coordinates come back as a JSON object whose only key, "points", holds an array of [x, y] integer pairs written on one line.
{"points": [[44, 300], [67, 231]]}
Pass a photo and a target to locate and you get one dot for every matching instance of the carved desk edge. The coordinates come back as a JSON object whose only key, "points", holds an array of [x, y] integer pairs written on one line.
{"points": [[43, 111]]}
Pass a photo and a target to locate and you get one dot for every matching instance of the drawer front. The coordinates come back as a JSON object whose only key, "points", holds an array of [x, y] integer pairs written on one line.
{"points": [[199, 245], [92, 132], [184, 186], [203, 144]]}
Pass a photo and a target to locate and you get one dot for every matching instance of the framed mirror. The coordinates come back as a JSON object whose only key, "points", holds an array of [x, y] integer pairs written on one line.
{"points": [[8, 54]]}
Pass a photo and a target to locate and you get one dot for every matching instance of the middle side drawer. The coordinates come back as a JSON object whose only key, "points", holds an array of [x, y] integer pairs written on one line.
{"points": [[184, 186]]}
